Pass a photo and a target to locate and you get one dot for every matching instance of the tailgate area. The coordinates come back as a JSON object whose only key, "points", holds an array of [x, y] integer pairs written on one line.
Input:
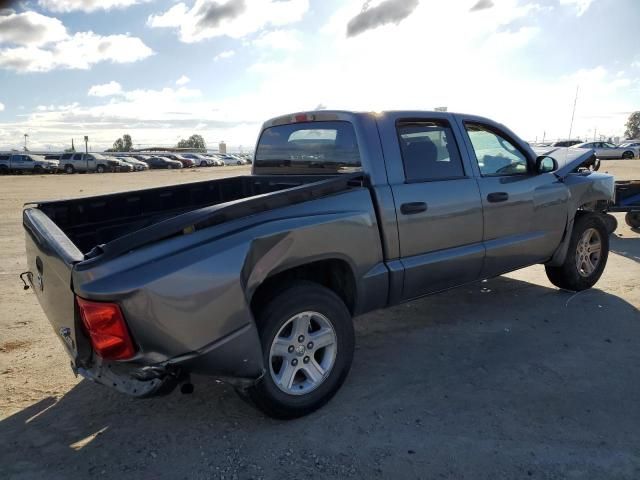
{"points": [[50, 259]]}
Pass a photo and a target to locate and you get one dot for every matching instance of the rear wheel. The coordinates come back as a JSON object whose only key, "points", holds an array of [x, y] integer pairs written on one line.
{"points": [[203, 163], [37, 170], [632, 219], [100, 169], [307, 343], [627, 155], [586, 257]]}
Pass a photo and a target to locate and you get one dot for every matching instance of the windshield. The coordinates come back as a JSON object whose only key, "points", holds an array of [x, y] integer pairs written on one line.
{"points": [[307, 148]]}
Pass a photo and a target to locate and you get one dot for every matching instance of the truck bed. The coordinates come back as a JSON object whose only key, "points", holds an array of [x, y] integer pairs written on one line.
{"points": [[93, 222]]}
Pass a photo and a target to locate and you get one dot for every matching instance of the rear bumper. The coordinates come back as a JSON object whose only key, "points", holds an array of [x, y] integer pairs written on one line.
{"points": [[235, 359]]}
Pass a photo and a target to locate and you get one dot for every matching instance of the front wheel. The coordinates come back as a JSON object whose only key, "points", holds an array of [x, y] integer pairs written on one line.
{"points": [[69, 169], [586, 257], [628, 155], [307, 343]]}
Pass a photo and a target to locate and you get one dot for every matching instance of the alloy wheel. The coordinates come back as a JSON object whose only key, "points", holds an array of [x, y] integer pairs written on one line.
{"points": [[303, 353], [588, 252]]}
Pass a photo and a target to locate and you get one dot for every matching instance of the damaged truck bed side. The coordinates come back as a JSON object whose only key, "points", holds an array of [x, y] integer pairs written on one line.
{"points": [[255, 279]]}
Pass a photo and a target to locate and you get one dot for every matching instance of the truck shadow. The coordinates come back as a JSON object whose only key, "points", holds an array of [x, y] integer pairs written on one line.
{"points": [[628, 246], [499, 365]]}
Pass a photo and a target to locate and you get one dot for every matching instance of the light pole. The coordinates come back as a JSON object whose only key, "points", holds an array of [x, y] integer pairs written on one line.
{"points": [[25, 142]]}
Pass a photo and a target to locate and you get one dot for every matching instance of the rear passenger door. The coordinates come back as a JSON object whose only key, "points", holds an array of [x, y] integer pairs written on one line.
{"points": [[438, 207]]}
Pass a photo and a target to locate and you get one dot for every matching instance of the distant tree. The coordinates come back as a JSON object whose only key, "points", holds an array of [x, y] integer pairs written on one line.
{"points": [[118, 146], [633, 126], [128, 143], [123, 144], [194, 141]]}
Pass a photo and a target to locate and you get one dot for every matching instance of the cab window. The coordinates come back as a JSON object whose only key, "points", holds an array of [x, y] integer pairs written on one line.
{"points": [[495, 154], [429, 151]]}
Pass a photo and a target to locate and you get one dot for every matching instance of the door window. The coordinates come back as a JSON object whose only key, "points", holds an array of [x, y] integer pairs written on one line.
{"points": [[495, 154], [429, 151]]}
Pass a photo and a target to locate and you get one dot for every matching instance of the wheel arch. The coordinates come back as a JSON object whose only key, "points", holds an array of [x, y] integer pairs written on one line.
{"points": [[334, 273]]}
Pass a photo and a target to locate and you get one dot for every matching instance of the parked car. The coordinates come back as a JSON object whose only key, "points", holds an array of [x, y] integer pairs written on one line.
{"points": [[90, 162], [26, 162], [606, 150], [217, 162], [156, 162], [230, 160], [255, 279], [632, 144], [200, 160], [186, 162], [137, 165], [564, 143]]}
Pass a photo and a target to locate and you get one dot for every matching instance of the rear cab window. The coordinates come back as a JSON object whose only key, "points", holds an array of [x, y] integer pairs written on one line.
{"points": [[317, 147]]}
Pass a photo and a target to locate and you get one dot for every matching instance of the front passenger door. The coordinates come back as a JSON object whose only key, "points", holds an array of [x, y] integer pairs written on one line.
{"points": [[525, 213]]}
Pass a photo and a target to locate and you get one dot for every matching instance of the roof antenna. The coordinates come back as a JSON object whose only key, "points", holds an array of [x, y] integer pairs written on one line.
{"points": [[573, 113]]}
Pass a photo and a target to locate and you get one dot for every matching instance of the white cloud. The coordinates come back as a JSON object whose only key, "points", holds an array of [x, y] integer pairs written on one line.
{"points": [[279, 39], [233, 18], [183, 80], [30, 28], [80, 51], [225, 54], [105, 89], [1, 106], [65, 6], [581, 6]]}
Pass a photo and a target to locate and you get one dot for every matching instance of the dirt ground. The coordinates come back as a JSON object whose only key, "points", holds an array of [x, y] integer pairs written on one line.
{"points": [[509, 378]]}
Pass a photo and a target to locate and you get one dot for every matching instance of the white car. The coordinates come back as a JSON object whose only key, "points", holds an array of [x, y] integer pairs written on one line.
{"points": [[609, 150], [137, 165]]}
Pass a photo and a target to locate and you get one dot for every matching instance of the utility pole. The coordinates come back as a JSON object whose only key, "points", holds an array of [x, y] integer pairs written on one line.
{"points": [[25, 142], [575, 101]]}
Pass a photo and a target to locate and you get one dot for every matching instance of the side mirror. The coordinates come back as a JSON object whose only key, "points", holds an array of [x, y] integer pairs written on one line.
{"points": [[546, 164]]}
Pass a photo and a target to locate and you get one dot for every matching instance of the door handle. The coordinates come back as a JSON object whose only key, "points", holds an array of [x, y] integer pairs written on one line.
{"points": [[413, 207], [496, 197]]}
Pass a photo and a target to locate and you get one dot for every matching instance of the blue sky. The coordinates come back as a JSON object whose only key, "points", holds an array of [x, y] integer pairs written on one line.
{"points": [[162, 70]]}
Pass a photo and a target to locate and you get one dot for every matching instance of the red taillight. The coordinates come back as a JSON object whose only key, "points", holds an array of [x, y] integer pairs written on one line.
{"points": [[106, 327]]}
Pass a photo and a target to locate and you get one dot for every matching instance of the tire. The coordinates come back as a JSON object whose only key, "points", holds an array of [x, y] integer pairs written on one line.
{"points": [[69, 169], [285, 316], [169, 167], [581, 269], [37, 170], [100, 169], [632, 219], [610, 222], [3, 170], [203, 163], [628, 155]]}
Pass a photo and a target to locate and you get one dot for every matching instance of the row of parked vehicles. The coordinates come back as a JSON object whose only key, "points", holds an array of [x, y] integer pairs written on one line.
{"points": [[627, 150], [113, 162]]}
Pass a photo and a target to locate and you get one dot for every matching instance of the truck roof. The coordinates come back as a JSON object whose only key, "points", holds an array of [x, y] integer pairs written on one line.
{"points": [[329, 115]]}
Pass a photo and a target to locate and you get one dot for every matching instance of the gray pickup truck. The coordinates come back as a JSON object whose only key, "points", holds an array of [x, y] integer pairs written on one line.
{"points": [[26, 162], [255, 279]]}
